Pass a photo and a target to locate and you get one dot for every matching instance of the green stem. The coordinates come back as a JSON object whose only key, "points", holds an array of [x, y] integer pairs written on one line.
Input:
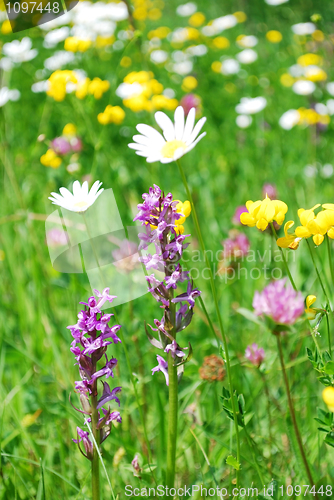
{"points": [[215, 299], [284, 259], [330, 258], [329, 336], [292, 412], [172, 422], [95, 460], [318, 274]]}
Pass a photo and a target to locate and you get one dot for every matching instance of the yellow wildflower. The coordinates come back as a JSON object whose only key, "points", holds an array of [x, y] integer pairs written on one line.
{"points": [[163, 102], [241, 16], [309, 226], [274, 36], [70, 130], [197, 19], [6, 27], [189, 83], [216, 66], [287, 80], [75, 44], [160, 32], [262, 213], [310, 311], [315, 74], [104, 41], [112, 114], [290, 240], [221, 42], [328, 397], [82, 88], [50, 159], [57, 83], [309, 59], [98, 87], [185, 210], [325, 219]]}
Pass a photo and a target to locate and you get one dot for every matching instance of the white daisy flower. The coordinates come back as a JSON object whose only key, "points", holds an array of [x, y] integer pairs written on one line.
{"points": [[289, 119], [303, 87], [80, 200], [178, 138]]}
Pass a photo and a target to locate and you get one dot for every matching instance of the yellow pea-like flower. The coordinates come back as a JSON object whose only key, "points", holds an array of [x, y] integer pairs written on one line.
{"points": [[328, 397]]}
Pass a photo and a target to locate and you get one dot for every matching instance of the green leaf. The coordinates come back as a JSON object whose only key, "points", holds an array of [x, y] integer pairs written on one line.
{"points": [[249, 315], [329, 368], [233, 462]]}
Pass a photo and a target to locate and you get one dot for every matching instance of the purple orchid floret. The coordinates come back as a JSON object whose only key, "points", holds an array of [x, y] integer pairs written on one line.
{"points": [[162, 367], [175, 350], [92, 335], [189, 296], [108, 395], [178, 276]]}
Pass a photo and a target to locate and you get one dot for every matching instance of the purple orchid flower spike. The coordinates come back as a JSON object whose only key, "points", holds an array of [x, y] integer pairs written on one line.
{"points": [[92, 335], [162, 367]]}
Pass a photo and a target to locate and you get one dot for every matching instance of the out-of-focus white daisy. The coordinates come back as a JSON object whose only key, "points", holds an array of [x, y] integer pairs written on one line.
{"points": [[275, 2], [80, 200], [179, 35], [303, 28], [178, 138], [230, 67], [330, 106], [58, 60], [327, 171], [303, 87], [183, 67], [187, 9], [310, 171], [247, 56], [251, 106], [314, 73], [19, 51], [6, 64], [52, 38], [223, 23], [126, 90], [197, 50], [243, 121], [7, 94], [289, 119], [321, 108], [330, 88], [247, 41], [46, 24], [296, 70], [39, 87], [159, 56]]}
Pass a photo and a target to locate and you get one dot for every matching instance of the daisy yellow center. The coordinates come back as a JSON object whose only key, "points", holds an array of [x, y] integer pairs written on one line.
{"points": [[81, 204], [170, 147]]}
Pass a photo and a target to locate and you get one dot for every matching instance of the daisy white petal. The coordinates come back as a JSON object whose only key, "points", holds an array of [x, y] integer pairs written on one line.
{"points": [[166, 124], [190, 122], [179, 123], [80, 200], [196, 130]]}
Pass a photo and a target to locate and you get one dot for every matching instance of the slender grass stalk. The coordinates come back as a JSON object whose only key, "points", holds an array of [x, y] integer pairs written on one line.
{"points": [[251, 445], [215, 299], [95, 460], [284, 259], [292, 412], [318, 274], [330, 258], [329, 336], [172, 422]]}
